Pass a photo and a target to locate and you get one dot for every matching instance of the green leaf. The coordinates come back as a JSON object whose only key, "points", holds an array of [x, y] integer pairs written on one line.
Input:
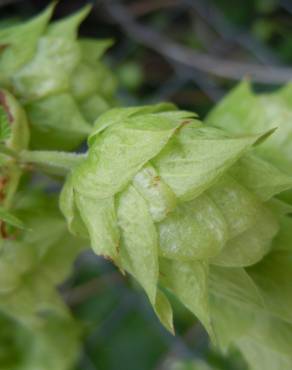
{"points": [[252, 245], [38, 348], [164, 311], [92, 49], [260, 177], [21, 41], [244, 112], [139, 244], [239, 207], [56, 250], [10, 219], [99, 217], [91, 77], [49, 71], [282, 242], [273, 276], [16, 259], [70, 211], [56, 123], [189, 282], [234, 302], [85, 81], [93, 106], [69, 26], [261, 357], [19, 136], [193, 230], [234, 284], [196, 157], [251, 226], [5, 129]]}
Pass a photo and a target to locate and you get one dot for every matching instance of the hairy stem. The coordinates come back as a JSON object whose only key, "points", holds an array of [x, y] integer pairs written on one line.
{"points": [[52, 162]]}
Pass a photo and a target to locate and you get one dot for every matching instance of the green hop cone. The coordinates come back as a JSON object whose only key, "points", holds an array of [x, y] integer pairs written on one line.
{"points": [[264, 336], [182, 207], [59, 79]]}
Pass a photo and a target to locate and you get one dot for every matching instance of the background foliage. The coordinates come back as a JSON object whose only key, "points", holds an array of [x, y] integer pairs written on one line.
{"points": [[120, 327]]}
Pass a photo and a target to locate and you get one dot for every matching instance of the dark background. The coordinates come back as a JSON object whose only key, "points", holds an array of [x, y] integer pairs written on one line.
{"points": [[190, 52]]}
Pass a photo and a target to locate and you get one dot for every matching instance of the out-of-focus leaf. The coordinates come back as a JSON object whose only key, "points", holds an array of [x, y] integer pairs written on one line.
{"points": [[93, 49], [232, 290], [10, 219], [260, 176], [20, 43], [56, 57], [69, 25], [273, 274], [93, 107], [5, 129], [244, 112], [261, 357], [19, 136], [56, 123]]}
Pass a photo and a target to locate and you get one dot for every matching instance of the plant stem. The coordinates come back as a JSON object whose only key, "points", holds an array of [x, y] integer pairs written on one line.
{"points": [[52, 162], [8, 151]]}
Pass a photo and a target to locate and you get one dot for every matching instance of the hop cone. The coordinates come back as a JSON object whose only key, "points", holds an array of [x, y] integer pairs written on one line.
{"points": [[187, 208], [58, 78]]}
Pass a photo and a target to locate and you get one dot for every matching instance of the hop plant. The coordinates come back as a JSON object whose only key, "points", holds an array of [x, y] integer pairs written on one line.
{"points": [[59, 79], [201, 212], [189, 209]]}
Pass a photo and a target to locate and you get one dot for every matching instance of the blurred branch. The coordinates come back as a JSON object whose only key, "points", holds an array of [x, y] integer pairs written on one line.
{"points": [[287, 5], [8, 2], [142, 8], [81, 293], [215, 19], [204, 62], [182, 348]]}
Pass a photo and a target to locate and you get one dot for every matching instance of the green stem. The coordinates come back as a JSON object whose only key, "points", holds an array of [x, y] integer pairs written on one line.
{"points": [[52, 162], [8, 151]]}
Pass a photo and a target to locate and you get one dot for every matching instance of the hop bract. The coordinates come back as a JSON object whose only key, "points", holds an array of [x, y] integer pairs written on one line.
{"points": [[58, 78], [182, 207]]}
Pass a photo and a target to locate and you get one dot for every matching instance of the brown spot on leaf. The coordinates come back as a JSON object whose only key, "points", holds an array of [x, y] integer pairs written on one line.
{"points": [[4, 104], [156, 180], [3, 183], [3, 47], [3, 231]]}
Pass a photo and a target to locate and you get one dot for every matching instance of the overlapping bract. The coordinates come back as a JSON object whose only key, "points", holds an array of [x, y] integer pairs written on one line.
{"points": [[183, 207], [263, 334], [59, 79]]}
